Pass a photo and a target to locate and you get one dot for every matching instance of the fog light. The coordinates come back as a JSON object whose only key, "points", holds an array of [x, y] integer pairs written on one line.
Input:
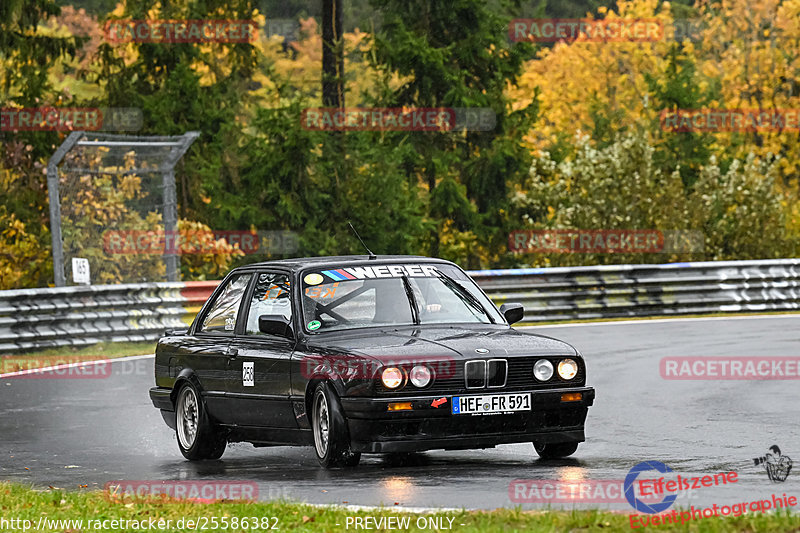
{"points": [[543, 370], [571, 397], [567, 368], [400, 406], [392, 377], [421, 376]]}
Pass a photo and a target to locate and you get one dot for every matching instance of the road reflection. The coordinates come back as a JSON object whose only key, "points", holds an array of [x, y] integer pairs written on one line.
{"points": [[398, 488]]}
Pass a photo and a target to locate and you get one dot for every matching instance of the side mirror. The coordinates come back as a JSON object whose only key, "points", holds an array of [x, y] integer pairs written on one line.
{"points": [[275, 325], [513, 312]]}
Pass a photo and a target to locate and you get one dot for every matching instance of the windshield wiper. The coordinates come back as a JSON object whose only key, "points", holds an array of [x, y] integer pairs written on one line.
{"points": [[412, 299], [466, 296]]}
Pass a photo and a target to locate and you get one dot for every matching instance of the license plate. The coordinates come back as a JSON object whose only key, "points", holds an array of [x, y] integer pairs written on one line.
{"points": [[491, 404]]}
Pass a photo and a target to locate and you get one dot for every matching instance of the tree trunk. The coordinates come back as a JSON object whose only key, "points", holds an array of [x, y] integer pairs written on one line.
{"points": [[332, 54]]}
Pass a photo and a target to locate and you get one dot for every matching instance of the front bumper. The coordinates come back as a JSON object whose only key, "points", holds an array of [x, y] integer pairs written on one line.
{"points": [[374, 429]]}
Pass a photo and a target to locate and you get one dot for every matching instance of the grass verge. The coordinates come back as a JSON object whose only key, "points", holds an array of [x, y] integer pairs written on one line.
{"points": [[12, 362], [26, 504]]}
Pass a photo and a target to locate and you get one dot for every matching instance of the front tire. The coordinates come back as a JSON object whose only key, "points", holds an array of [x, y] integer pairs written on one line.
{"points": [[331, 438], [198, 439], [555, 450]]}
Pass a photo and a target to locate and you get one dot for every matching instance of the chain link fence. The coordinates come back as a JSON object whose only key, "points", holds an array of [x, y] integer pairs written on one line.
{"points": [[108, 194]]}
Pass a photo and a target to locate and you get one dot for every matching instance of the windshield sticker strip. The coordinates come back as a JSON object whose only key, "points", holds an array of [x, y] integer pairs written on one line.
{"points": [[338, 274], [383, 271]]}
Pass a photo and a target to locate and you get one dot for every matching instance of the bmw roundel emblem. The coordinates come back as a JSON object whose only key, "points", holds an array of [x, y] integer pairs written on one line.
{"points": [[481, 350]]}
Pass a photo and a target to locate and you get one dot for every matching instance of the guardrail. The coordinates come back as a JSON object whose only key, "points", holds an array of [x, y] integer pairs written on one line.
{"points": [[615, 291], [76, 316], [72, 316]]}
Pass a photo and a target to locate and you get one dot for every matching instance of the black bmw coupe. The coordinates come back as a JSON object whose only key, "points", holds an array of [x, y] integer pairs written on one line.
{"points": [[361, 354]]}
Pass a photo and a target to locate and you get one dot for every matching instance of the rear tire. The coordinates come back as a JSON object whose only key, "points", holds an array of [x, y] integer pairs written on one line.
{"points": [[555, 450], [331, 438], [198, 439]]}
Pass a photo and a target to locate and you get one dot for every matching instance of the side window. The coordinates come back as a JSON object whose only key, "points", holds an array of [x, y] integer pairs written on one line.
{"points": [[221, 317], [271, 296]]}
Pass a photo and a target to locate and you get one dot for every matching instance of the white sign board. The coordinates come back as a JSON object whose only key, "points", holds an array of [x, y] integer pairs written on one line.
{"points": [[80, 271]]}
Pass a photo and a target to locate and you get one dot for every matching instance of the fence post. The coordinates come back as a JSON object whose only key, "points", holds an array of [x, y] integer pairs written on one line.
{"points": [[171, 204], [55, 207]]}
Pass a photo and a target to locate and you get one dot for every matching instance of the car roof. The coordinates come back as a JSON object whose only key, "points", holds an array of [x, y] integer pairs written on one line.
{"points": [[299, 263]]}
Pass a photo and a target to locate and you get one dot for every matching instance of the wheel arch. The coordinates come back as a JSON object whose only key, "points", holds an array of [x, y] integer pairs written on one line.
{"points": [[336, 384], [186, 375]]}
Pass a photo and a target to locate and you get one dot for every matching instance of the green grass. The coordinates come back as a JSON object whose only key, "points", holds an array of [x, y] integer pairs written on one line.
{"points": [[102, 349], [16, 361], [18, 502]]}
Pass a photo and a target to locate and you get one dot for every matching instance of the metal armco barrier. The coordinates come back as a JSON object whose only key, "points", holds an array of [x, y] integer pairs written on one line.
{"points": [[615, 291], [73, 316], [76, 316]]}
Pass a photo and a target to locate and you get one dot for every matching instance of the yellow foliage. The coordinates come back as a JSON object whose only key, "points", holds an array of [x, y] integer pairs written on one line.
{"points": [[752, 47], [97, 208], [575, 78], [18, 250]]}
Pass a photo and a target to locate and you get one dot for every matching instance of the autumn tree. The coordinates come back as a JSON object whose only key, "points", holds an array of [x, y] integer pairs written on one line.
{"points": [[454, 54], [27, 50], [185, 86], [736, 211]]}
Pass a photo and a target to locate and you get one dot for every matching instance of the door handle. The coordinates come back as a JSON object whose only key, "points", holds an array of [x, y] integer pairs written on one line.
{"points": [[231, 352]]}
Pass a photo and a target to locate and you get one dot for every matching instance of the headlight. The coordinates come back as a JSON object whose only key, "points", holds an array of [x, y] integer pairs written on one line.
{"points": [[420, 376], [392, 377], [543, 370], [567, 368]]}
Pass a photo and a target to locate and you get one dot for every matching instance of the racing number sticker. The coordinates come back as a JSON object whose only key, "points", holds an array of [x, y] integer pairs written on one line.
{"points": [[248, 374]]}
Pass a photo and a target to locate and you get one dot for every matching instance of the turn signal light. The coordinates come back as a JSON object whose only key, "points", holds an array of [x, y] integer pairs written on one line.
{"points": [[572, 397], [399, 406]]}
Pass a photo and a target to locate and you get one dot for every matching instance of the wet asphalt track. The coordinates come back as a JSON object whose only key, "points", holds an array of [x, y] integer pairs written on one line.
{"points": [[72, 432]]}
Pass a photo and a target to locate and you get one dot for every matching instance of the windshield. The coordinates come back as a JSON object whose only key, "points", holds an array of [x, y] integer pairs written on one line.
{"points": [[392, 295]]}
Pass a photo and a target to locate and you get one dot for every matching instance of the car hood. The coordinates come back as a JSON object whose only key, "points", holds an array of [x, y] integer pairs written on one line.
{"points": [[450, 341]]}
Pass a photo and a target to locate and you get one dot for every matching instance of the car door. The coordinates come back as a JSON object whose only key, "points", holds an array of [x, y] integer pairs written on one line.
{"points": [[206, 352], [260, 388]]}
